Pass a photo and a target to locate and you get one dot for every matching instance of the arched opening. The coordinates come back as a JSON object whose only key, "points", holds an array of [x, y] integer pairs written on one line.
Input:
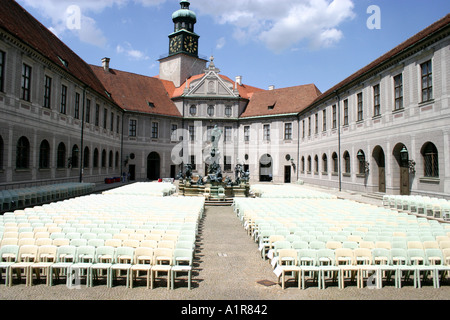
{"points": [[1, 153], [379, 170], [324, 163], [44, 155], [153, 166], [401, 171], [86, 157], [74, 159], [61, 156], [265, 168], [23, 153]]}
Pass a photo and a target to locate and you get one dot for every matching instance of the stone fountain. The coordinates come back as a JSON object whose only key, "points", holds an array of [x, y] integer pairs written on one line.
{"points": [[214, 180]]}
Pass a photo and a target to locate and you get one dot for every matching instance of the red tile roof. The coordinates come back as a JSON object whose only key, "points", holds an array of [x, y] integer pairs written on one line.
{"points": [[281, 101], [18, 22], [438, 25], [134, 92]]}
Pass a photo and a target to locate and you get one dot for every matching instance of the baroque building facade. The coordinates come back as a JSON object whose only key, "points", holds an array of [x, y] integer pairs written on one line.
{"points": [[384, 129]]}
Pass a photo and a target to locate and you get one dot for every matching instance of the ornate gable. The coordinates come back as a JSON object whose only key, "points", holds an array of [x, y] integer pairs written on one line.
{"points": [[211, 85]]}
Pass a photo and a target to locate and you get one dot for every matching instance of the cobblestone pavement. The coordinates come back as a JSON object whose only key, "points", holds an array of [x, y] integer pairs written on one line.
{"points": [[228, 266]]}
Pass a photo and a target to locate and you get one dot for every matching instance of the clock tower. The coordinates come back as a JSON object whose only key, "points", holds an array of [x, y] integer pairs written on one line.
{"points": [[182, 61]]}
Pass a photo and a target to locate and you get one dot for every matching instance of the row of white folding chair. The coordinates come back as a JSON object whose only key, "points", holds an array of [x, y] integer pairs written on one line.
{"points": [[358, 262], [88, 258]]}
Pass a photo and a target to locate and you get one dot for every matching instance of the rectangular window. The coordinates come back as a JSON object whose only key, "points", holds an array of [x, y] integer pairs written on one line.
{"points": [[324, 120], [309, 126], [88, 111], [191, 133], [316, 118], [118, 124], [303, 128], [346, 112], [155, 130], [334, 117], [111, 126], [2, 70], [398, 87], [47, 92], [194, 167], [26, 82], [97, 114], [266, 132], [247, 133], [63, 99], [105, 117], [77, 106], [288, 131], [228, 133], [376, 101], [427, 81], [173, 132], [133, 125], [227, 163], [360, 107]]}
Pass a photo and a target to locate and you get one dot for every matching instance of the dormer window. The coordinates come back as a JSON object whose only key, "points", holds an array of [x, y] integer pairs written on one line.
{"points": [[271, 107], [64, 62], [150, 104]]}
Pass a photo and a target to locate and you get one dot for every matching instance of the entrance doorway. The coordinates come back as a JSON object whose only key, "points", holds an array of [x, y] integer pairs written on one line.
{"points": [[287, 174], [401, 178], [153, 166], [132, 171], [379, 157], [173, 171], [265, 168]]}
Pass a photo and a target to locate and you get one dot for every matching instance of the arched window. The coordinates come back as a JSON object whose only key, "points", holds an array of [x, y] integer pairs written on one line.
{"points": [[309, 163], [86, 156], [210, 111], [346, 162], [193, 110], [110, 159], [23, 153], [324, 163], [95, 160], [316, 164], [430, 160], [334, 157], [303, 164], [75, 154], [61, 156], [1, 152], [44, 155], [104, 158], [361, 162], [117, 159]]}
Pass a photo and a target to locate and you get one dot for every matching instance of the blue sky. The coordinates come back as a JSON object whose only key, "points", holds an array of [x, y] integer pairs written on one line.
{"points": [[267, 42]]}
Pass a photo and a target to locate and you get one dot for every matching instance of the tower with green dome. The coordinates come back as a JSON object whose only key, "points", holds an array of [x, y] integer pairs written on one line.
{"points": [[183, 60], [184, 39]]}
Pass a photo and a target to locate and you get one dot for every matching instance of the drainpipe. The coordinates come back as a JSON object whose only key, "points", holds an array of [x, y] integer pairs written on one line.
{"points": [[82, 137], [339, 138], [298, 144], [121, 145]]}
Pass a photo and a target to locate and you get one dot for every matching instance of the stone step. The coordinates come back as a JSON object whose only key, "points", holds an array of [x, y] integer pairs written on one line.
{"points": [[218, 202]]}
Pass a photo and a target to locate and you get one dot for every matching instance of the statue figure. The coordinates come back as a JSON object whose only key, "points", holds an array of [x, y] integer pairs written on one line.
{"points": [[216, 133], [188, 171]]}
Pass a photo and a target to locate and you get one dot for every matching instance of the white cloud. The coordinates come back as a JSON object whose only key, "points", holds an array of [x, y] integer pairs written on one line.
{"points": [[64, 19], [128, 50], [280, 25], [221, 43]]}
